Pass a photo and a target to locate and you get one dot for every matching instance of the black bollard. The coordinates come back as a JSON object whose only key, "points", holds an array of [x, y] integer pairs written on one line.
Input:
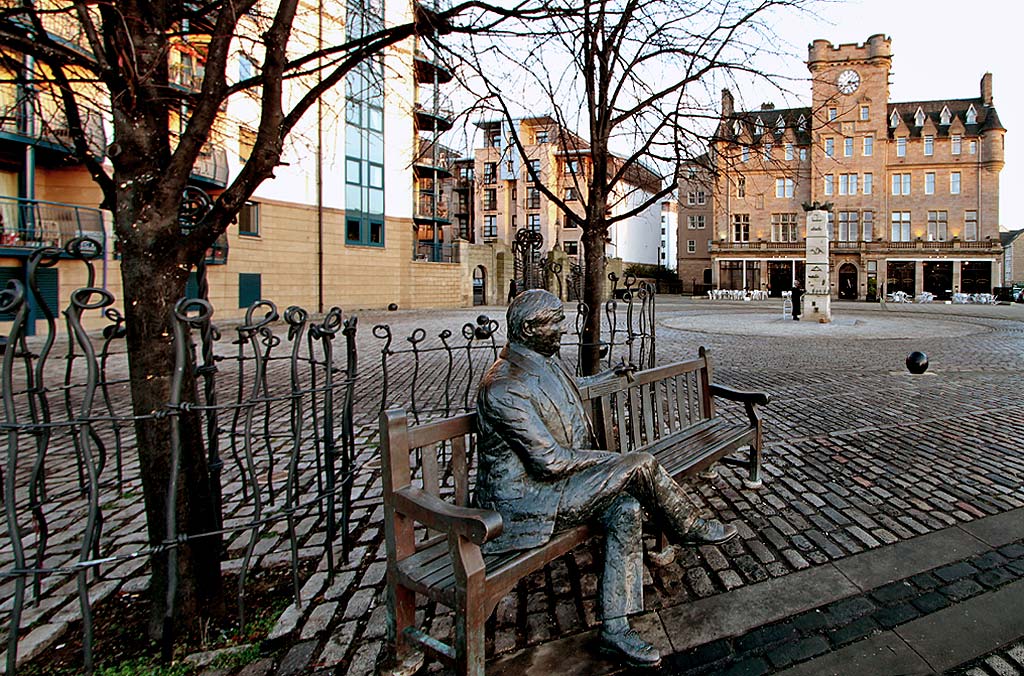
{"points": [[917, 362]]}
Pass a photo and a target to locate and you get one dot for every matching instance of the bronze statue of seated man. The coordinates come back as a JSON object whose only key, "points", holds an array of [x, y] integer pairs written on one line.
{"points": [[538, 470]]}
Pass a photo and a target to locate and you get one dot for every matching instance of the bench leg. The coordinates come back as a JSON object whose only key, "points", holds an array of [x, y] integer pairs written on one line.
{"points": [[469, 642], [402, 615], [754, 479]]}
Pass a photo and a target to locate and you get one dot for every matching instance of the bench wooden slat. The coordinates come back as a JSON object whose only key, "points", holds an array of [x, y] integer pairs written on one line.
{"points": [[460, 471], [636, 407], [650, 411]]}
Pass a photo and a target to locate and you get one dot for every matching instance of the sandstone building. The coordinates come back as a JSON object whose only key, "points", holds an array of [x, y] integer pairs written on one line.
{"points": [[914, 186]]}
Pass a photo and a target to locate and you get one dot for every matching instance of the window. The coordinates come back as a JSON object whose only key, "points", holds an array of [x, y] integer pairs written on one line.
{"points": [[867, 183], [691, 246], [954, 183], [490, 226], [490, 199], [570, 194], [901, 146], [571, 248], [972, 147], [246, 142], [249, 219], [245, 67], [533, 197], [929, 145], [533, 222], [833, 113], [741, 227], [745, 154], [541, 136], [767, 151], [894, 119], [919, 118], [830, 147], [847, 184], [867, 224], [696, 222], [789, 151], [696, 198], [972, 115], [849, 226], [869, 146], [494, 139], [803, 154], [865, 113], [364, 153], [847, 147], [900, 226], [250, 288], [490, 172], [784, 187], [572, 167], [466, 173], [829, 184], [569, 223], [929, 183], [741, 186], [831, 226], [937, 226], [784, 228], [901, 184], [971, 226], [954, 144], [945, 117], [534, 170]]}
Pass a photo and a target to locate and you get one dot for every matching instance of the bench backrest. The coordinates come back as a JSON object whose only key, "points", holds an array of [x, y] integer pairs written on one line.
{"points": [[658, 402], [435, 455]]}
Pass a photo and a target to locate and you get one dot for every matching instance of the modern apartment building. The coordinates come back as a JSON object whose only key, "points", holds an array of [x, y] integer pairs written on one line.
{"points": [[695, 224], [507, 196], [355, 215], [669, 222], [913, 186]]}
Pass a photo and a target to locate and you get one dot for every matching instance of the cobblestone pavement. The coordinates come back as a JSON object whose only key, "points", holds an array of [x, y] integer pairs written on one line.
{"points": [[860, 456]]}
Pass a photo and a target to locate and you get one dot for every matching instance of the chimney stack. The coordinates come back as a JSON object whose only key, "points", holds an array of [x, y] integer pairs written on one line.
{"points": [[986, 89], [727, 103]]}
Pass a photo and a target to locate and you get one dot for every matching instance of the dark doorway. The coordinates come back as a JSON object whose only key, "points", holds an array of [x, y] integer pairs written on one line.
{"points": [[976, 277], [479, 285], [900, 277], [780, 277], [938, 279], [848, 281]]}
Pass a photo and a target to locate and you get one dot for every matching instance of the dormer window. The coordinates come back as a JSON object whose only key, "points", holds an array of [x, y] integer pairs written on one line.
{"points": [[758, 128], [945, 117], [780, 125], [972, 115], [894, 119], [919, 118], [802, 123], [737, 128]]}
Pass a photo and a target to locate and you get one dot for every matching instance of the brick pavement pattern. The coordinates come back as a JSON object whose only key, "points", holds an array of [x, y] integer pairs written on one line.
{"points": [[858, 455]]}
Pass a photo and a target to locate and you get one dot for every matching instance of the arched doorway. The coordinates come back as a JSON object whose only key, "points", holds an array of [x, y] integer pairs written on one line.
{"points": [[480, 285], [848, 281]]}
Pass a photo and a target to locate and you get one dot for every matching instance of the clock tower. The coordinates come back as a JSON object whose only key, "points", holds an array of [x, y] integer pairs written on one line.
{"points": [[849, 102]]}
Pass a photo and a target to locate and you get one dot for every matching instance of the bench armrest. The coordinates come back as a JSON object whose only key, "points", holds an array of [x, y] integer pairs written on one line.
{"points": [[757, 398], [476, 525]]}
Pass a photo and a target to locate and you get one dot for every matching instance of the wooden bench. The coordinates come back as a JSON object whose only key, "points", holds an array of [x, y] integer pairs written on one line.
{"points": [[668, 411]]}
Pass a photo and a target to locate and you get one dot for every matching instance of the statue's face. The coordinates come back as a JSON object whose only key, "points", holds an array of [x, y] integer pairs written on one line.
{"points": [[545, 335]]}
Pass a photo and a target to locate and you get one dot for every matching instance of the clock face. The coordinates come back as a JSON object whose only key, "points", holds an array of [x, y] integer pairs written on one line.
{"points": [[848, 81]]}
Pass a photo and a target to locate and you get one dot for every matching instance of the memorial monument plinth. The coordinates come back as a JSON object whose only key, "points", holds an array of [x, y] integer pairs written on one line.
{"points": [[818, 295]]}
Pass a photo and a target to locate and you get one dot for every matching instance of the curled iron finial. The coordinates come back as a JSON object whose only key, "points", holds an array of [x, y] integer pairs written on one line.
{"points": [[82, 298], [383, 332], [268, 317], [193, 312], [12, 296], [195, 205], [83, 248]]}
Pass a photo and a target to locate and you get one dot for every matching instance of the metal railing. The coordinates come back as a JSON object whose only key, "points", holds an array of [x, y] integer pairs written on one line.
{"points": [[48, 124], [33, 224]]}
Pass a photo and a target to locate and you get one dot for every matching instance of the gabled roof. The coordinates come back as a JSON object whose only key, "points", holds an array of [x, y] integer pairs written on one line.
{"points": [[987, 117], [768, 121], [1007, 238]]}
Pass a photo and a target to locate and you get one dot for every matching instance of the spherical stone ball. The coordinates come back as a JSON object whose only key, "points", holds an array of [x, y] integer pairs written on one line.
{"points": [[917, 362], [392, 307]]}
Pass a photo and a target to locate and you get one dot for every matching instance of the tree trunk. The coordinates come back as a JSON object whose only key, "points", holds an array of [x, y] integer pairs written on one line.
{"points": [[593, 297], [152, 284]]}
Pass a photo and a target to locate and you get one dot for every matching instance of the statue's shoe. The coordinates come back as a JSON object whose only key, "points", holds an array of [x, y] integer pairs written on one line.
{"points": [[628, 647], [709, 532]]}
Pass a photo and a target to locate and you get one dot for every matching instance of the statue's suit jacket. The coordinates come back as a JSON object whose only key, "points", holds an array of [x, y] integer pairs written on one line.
{"points": [[532, 425]]}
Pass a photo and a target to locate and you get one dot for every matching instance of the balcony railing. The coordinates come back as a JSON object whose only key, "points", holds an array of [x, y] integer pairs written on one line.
{"points": [[31, 224], [437, 253], [48, 125], [212, 165], [425, 208]]}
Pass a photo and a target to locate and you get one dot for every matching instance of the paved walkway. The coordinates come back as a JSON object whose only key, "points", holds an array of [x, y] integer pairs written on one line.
{"points": [[889, 524]]}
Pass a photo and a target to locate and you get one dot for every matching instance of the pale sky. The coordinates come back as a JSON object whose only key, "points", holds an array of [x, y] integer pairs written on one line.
{"points": [[940, 51]]}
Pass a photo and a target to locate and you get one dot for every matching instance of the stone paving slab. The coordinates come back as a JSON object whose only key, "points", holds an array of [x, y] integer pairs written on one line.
{"points": [[998, 529], [885, 653]]}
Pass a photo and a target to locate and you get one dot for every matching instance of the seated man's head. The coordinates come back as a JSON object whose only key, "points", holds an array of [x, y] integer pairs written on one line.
{"points": [[535, 320]]}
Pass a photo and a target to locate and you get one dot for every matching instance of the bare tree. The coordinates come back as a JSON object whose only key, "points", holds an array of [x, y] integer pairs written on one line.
{"points": [[636, 81], [113, 57]]}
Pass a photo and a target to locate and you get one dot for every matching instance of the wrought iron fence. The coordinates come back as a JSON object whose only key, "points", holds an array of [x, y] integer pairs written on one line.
{"points": [[275, 398], [436, 375]]}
